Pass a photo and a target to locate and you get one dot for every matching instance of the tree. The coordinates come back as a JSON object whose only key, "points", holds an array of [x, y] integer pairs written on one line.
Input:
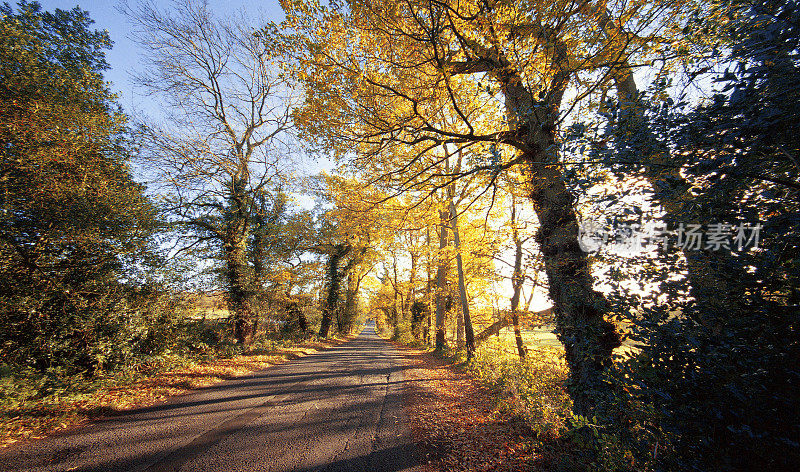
{"points": [[718, 356], [638, 150], [223, 145], [517, 278], [465, 321], [74, 225]]}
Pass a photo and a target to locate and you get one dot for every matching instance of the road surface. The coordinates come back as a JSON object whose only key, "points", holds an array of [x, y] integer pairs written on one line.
{"points": [[337, 410]]}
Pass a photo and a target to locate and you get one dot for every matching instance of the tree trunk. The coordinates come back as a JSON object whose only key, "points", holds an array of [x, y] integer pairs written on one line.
{"points": [[350, 301], [588, 338], [301, 317], [241, 295], [466, 321], [397, 313], [516, 279], [411, 295], [441, 283], [459, 331], [428, 286], [331, 300]]}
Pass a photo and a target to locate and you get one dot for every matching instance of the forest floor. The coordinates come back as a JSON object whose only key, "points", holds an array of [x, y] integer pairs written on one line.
{"points": [[28, 418], [457, 420]]}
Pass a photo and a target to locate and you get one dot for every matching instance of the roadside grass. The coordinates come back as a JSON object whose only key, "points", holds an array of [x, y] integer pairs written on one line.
{"points": [[36, 404], [531, 389]]}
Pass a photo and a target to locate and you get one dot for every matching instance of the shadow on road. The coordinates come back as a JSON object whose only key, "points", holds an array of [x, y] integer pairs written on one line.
{"points": [[338, 409]]}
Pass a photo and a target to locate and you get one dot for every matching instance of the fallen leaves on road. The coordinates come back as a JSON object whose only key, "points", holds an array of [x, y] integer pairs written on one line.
{"points": [[456, 420]]}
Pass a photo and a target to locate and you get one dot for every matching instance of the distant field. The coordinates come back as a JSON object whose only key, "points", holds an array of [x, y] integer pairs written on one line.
{"points": [[209, 314], [210, 306], [544, 336]]}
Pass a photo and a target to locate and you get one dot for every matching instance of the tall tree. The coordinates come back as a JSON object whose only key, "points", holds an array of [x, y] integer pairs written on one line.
{"points": [[223, 141], [441, 281], [739, 152], [464, 319], [637, 148], [517, 277]]}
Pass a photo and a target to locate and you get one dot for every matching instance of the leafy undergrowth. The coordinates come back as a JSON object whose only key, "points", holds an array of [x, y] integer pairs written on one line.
{"points": [[27, 414]]}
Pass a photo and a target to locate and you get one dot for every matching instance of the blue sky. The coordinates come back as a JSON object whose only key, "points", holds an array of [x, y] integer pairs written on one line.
{"points": [[125, 56]]}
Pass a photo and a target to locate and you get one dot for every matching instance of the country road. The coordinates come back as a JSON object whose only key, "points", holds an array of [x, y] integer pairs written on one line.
{"points": [[340, 409]]}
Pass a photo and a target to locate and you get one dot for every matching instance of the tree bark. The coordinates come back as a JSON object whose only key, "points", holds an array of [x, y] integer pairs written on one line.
{"points": [[411, 294], [428, 287], [301, 317], [397, 313], [241, 295], [588, 338], [331, 300], [351, 300]]}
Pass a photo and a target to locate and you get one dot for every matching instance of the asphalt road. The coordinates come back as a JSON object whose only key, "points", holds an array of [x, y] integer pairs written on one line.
{"points": [[337, 410]]}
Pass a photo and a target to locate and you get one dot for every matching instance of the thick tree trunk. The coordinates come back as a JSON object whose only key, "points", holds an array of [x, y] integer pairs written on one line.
{"points": [[441, 283], [241, 294], [580, 323], [533, 120], [588, 338], [257, 256]]}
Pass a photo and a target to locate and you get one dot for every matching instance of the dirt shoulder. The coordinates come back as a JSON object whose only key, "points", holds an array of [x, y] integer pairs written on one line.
{"points": [[456, 420]]}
